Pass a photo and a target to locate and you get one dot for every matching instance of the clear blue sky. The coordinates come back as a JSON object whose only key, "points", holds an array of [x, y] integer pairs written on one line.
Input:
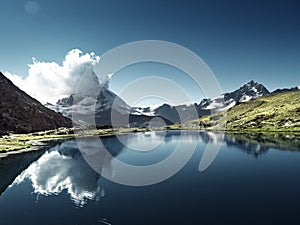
{"points": [[239, 40]]}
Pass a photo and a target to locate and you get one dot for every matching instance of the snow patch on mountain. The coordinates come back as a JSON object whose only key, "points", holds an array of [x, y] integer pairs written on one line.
{"points": [[147, 111], [215, 103], [229, 105]]}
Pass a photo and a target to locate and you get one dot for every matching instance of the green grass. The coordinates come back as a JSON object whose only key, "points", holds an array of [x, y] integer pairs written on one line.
{"points": [[14, 142], [273, 113]]}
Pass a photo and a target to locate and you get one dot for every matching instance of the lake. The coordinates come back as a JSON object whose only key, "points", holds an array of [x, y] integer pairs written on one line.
{"points": [[247, 179]]}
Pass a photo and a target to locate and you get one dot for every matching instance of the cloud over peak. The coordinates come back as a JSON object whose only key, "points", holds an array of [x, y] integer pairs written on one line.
{"points": [[49, 81]]}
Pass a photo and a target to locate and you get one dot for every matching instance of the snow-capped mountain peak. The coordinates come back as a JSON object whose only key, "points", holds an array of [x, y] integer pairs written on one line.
{"points": [[91, 98], [248, 91]]}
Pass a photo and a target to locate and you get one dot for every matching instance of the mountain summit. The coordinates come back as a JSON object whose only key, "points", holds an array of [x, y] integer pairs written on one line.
{"points": [[248, 91], [245, 93], [21, 113]]}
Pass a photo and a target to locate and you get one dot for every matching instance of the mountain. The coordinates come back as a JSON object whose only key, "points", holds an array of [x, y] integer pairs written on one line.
{"points": [[93, 102], [180, 113], [101, 110], [84, 108], [285, 90], [277, 111], [249, 91], [20, 113], [99, 105], [147, 111]]}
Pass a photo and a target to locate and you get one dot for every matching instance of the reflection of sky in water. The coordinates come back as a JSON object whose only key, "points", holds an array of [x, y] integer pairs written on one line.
{"points": [[54, 173]]}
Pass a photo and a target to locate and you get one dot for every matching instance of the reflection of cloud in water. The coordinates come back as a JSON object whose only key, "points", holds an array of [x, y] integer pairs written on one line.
{"points": [[99, 154], [64, 169]]}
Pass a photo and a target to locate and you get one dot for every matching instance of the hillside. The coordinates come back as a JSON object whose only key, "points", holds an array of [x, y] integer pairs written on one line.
{"points": [[20, 113], [277, 111]]}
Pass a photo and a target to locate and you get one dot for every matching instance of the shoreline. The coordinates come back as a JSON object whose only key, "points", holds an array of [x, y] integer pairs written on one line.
{"points": [[22, 143]]}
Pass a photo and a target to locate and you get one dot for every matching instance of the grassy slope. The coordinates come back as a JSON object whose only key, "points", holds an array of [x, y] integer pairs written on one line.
{"points": [[276, 112]]}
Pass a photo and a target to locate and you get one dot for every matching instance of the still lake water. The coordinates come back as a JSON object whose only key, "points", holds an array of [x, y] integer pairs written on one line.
{"points": [[247, 183]]}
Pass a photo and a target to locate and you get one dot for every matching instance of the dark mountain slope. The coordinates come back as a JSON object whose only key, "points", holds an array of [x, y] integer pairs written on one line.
{"points": [[20, 113]]}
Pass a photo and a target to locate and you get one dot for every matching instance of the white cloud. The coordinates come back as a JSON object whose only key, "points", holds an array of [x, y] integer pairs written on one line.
{"points": [[49, 81]]}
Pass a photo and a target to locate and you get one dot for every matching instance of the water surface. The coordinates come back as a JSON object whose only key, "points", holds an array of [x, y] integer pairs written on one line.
{"points": [[251, 181]]}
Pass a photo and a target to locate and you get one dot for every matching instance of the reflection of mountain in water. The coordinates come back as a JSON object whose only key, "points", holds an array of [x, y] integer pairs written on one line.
{"points": [[63, 168], [253, 149], [279, 140], [256, 144]]}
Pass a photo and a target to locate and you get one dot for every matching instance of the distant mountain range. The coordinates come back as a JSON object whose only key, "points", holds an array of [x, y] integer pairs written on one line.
{"points": [[249, 91], [20, 113]]}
